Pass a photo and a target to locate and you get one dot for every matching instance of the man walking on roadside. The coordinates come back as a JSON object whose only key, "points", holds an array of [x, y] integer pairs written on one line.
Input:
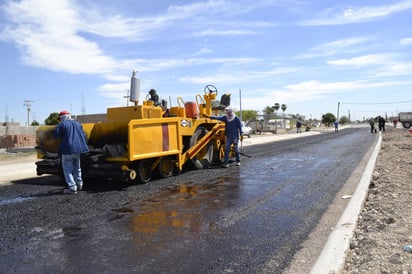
{"points": [[298, 126], [73, 144], [336, 124]]}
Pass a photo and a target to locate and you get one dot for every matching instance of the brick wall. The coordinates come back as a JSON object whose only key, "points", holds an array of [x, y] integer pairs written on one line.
{"points": [[12, 141]]}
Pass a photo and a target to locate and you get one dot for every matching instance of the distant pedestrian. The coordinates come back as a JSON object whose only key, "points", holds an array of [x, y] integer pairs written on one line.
{"points": [[73, 144], [395, 122], [381, 122], [298, 126], [336, 124], [233, 133], [372, 124]]}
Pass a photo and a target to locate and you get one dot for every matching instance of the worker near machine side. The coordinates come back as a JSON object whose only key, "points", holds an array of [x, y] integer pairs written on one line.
{"points": [[73, 144], [233, 133]]}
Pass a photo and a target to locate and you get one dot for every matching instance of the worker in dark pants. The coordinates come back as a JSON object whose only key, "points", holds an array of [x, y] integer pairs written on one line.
{"points": [[372, 124], [336, 124], [298, 127], [381, 122]]}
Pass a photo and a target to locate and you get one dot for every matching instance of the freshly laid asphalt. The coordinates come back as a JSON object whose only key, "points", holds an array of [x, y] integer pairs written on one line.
{"points": [[332, 256]]}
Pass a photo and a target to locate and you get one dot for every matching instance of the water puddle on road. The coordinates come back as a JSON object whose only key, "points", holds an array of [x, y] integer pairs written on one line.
{"points": [[17, 199], [187, 207], [190, 210]]}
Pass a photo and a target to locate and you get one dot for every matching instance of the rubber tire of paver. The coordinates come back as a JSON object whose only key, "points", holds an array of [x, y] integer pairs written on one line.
{"points": [[166, 167], [205, 156], [144, 171]]}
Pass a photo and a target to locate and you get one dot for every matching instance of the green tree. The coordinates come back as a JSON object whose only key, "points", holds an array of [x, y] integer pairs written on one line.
{"points": [[343, 120], [268, 110], [53, 119], [35, 123], [328, 119], [247, 115]]}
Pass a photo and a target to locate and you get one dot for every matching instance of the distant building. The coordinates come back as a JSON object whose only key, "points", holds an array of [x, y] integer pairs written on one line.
{"points": [[10, 124]]}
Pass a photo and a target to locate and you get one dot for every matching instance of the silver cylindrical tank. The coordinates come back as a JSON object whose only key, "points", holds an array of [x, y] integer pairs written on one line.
{"points": [[134, 88]]}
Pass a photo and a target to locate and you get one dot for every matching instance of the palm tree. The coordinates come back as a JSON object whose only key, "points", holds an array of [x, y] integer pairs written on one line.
{"points": [[283, 107], [276, 107]]}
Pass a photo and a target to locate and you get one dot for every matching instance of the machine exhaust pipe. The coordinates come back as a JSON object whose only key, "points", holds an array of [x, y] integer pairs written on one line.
{"points": [[134, 88]]}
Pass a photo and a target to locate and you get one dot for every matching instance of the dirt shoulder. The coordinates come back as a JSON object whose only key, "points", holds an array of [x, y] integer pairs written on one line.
{"points": [[385, 223], [10, 158]]}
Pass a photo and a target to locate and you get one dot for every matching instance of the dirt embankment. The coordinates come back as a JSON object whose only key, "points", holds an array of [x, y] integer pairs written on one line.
{"points": [[385, 223]]}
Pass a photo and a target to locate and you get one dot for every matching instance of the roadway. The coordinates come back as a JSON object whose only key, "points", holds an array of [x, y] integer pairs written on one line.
{"points": [[252, 219]]}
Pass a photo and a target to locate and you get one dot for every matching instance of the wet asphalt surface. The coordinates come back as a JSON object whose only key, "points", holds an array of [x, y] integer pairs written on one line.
{"points": [[248, 219]]}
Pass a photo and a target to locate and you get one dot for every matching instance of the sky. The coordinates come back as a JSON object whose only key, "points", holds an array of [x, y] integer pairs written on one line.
{"points": [[351, 57]]}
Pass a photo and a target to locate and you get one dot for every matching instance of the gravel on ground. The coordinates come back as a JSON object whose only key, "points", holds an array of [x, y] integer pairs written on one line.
{"points": [[384, 229]]}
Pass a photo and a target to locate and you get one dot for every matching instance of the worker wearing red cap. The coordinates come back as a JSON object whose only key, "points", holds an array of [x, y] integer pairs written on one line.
{"points": [[73, 144]]}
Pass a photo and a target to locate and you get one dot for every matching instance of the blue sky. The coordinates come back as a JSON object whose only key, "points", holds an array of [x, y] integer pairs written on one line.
{"points": [[309, 55]]}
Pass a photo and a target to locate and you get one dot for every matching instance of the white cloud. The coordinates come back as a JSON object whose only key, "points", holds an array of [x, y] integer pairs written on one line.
{"points": [[198, 8], [162, 64], [191, 16], [406, 41], [224, 32], [337, 47], [399, 69], [203, 51], [316, 87], [65, 36], [46, 33], [312, 91], [238, 77], [52, 34], [370, 59], [352, 15], [309, 91]]}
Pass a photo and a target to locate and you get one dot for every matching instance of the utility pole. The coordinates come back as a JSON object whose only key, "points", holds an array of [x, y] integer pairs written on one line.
{"points": [[83, 105], [27, 104], [337, 118], [240, 105], [7, 120], [127, 97]]}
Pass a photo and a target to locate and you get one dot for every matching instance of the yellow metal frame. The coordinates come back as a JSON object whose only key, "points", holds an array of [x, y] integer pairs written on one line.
{"points": [[147, 134], [150, 138]]}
